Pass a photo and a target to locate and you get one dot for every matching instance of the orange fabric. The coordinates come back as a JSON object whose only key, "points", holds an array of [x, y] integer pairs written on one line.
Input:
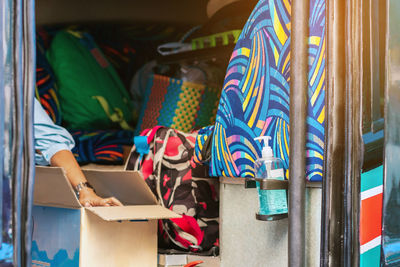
{"points": [[370, 218], [193, 264]]}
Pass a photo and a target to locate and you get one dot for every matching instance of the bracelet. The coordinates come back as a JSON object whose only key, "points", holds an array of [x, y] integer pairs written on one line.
{"points": [[81, 185]]}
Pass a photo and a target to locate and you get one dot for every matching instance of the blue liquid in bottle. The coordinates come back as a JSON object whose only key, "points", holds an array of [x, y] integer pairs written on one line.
{"points": [[272, 202]]}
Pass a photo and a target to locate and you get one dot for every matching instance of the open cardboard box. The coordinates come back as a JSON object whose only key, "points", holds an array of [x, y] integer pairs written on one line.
{"points": [[67, 234]]}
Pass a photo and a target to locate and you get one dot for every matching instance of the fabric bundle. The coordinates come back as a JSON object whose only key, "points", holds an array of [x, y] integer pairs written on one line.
{"points": [[101, 146], [92, 95], [97, 146]]}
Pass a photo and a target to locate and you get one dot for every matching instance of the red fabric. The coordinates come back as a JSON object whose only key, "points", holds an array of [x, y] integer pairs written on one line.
{"points": [[147, 167], [370, 218], [173, 146], [189, 225], [152, 131], [187, 176], [193, 263]]}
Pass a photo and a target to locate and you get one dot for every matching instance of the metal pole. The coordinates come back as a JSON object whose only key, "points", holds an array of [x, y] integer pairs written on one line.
{"points": [[298, 115], [17, 129], [28, 165], [353, 134], [334, 167]]}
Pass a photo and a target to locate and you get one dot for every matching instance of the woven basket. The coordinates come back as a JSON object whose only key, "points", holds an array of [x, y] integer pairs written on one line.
{"points": [[177, 104]]}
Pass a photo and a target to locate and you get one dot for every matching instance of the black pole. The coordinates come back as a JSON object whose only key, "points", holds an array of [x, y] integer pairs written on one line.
{"points": [[298, 115], [335, 128]]}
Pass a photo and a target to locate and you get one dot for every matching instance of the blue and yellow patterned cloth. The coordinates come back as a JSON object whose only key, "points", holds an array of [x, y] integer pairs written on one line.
{"points": [[255, 96]]}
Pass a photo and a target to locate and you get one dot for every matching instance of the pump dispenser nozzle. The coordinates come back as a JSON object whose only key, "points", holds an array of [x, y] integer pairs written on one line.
{"points": [[266, 150]]}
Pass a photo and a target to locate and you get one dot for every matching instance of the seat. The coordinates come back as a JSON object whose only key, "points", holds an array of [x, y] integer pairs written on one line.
{"points": [[256, 93]]}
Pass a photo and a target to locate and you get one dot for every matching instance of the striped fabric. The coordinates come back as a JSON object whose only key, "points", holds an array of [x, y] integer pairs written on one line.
{"points": [[371, 217], [46, 87], [101, 146], [255, 96]]}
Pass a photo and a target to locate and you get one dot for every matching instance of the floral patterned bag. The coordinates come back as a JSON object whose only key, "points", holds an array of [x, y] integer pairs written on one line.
{"points": [[164, 156]]}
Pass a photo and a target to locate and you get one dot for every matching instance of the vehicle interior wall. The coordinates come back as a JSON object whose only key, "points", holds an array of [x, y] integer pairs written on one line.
{"points": [[77, 11], [171, 11]]}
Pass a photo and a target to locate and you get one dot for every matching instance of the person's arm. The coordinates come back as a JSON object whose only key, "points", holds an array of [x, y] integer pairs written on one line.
{"points": [[53, 146], [87, 197]]}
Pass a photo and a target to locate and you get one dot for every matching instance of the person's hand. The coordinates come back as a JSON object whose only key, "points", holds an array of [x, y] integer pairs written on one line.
{"points": [[88, 198]]}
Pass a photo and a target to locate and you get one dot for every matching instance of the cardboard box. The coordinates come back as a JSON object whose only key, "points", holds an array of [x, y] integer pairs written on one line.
{"points": [[66, 234]]}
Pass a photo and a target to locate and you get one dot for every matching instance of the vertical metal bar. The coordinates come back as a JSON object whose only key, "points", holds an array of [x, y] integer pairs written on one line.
{"points": [[6, 33], [366, 58], [17, 132], [2, 115], [334, 168], [375, 62], [355, 119], [354, 144], [298, 115], [347, 198], [28, 168]]}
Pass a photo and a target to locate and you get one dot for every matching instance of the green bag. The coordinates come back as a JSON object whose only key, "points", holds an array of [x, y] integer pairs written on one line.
{"points": [[92, 96]]}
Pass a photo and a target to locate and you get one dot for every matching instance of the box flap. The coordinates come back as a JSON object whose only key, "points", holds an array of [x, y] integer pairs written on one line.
{"points": [[128, 186], [52, 188], [143, 212], [97, 167]]}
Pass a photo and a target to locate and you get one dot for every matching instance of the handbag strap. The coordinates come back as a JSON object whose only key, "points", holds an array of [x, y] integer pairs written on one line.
{"points": [[161, 155], [152, 134], [142, 144]]}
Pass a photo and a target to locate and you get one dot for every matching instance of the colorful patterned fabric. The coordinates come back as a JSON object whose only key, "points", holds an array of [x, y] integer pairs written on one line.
{"points": [[46, 87], [255, 97], [163, 155], [177, 104], [202, 146], [101, 146]]}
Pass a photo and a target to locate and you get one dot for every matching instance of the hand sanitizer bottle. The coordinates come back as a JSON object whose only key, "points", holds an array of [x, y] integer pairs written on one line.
{"points": [[273, 203]]}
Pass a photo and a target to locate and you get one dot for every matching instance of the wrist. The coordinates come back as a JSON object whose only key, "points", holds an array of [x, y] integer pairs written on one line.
{"points": [[83, 187]]}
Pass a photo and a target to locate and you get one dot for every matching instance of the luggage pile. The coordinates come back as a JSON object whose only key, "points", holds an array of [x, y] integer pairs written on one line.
{"points": [[98, 91]]}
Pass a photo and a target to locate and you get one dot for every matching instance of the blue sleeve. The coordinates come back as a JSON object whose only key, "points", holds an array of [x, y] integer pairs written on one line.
{"points": [[49, 137]]}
